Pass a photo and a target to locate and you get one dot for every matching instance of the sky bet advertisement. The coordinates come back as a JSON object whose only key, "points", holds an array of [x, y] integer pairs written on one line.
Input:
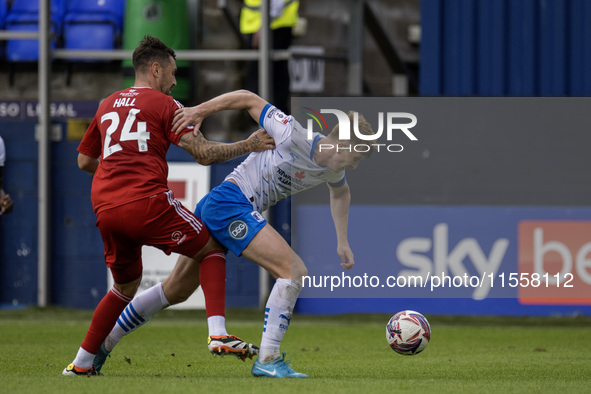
{"points": [[465, 205]]}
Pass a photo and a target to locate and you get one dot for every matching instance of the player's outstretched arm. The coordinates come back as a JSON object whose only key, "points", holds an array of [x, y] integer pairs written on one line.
{"points": [[208, 152], [239, 99], [340, 200]]}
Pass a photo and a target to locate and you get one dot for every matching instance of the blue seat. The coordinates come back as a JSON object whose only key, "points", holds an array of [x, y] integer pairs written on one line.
{"points": [[28, 11], [3, 12], [96, 11], [93, 24], [24, 16], [23, 50]]}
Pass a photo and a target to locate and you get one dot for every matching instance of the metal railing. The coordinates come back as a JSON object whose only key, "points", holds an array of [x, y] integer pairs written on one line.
{"points": [[193, 55]]}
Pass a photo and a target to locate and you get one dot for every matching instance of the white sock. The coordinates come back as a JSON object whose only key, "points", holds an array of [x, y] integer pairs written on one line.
{"points": [[137, 313], [278, 312], [217, 325], [83, 359]]}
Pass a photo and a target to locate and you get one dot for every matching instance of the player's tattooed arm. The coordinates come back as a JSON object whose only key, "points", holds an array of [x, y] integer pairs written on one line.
{"points": [[208, 152]]}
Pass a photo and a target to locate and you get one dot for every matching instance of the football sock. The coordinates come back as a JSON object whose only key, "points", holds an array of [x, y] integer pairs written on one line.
{"points": [[81, 360], [278, 312], [103, 319], [138, 312], [212, 274], [217, 325]]}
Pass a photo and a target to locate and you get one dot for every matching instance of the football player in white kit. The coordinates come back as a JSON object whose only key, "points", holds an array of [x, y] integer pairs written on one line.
{"points": [[232, 214]]}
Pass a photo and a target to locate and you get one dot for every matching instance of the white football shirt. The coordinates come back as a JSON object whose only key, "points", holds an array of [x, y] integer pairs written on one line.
{"points": [[268, 177]]}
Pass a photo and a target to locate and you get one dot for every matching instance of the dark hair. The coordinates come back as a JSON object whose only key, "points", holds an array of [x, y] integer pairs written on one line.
{"points": [[150, 50]]}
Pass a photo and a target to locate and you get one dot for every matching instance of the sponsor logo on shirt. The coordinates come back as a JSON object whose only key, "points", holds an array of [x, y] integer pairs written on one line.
{"points": [[281, 117], [238, 229], [178, 237], [286, 179], [129, 93]]}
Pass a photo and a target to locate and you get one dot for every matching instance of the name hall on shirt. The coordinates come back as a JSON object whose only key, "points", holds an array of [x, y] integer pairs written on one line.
{"points": [[124, 102]]}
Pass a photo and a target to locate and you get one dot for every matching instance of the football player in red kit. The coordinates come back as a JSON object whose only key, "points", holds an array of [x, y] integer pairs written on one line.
{"points": [[125, 148]]}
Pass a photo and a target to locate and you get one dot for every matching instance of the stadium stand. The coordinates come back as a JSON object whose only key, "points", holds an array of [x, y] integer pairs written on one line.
{"points": [[93, 25], [24, 16]]}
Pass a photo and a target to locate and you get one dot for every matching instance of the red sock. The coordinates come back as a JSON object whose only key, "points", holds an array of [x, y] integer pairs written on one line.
{"points": [[104, 318], [212, 274]]}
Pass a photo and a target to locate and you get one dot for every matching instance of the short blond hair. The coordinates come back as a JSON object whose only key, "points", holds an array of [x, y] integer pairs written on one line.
{"points": [[364, 128]]}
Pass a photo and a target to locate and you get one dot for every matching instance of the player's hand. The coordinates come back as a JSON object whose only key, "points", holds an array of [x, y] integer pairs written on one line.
{"points": [[346, 255], [260, 140], [6, 204], [184, 117]]}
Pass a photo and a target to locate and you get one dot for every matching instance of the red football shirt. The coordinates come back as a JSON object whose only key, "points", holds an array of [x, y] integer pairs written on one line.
{"points": [[131, 133]]}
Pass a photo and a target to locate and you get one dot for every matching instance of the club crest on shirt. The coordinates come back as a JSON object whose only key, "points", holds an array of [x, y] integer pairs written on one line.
{"points": [[238, 229]]}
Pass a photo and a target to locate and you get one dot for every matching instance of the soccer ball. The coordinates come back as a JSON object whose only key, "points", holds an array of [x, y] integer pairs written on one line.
{"points": [[408, 332]]}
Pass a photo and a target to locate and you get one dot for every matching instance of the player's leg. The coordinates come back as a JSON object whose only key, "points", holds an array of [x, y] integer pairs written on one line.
{"points": [[213, 210], [214, 289], [176, 288], [160, 229], [123, 256], [212, 272], [181, 283], [272, 252], [269, 250], [112, 304]]}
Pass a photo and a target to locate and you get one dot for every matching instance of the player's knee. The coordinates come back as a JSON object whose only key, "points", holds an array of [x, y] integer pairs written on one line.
{"points": [[210, 246], [295, 270], [298, 268], [179, 291], [301, 271], [178, 297], [128, 289]]}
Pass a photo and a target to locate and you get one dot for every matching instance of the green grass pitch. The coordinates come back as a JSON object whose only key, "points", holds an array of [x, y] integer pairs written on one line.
{"points": [[342, 354]]}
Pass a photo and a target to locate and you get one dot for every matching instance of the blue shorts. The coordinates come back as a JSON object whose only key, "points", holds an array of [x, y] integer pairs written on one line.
{"points": [[229, 217]]}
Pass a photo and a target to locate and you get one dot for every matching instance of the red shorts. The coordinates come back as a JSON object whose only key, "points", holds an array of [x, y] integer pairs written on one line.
{"points": [[160, 221]]}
